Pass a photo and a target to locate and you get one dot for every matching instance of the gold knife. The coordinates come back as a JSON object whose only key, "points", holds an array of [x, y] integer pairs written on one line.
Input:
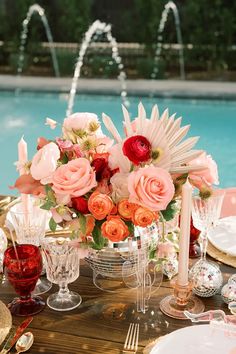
{"points": [[12, 340]]}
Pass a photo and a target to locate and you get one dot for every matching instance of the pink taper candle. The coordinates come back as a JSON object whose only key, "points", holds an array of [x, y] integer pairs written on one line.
{"points": [[22, 155], [184, 238], [22, 159]]}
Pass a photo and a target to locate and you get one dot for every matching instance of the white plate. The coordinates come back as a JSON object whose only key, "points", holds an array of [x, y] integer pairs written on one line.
{"points": [[5, 321], [223, 235], [200, 339]]}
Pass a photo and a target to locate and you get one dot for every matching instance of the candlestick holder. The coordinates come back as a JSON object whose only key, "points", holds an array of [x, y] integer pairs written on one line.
{"points": [[181, 300]]}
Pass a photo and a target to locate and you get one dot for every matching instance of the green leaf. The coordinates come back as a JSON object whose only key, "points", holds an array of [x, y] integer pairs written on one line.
{"points": [[130, 227], [82, 222], [98, 239], [52, 225], [48, 205], [170, 211], [64, 159]]}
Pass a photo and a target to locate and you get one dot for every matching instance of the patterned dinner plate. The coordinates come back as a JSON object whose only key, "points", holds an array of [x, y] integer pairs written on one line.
{"points": [[5, 321]]}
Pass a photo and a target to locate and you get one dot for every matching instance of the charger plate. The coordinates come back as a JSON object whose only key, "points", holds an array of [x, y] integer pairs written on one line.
{"points": [[5, 321], [196, 340]]}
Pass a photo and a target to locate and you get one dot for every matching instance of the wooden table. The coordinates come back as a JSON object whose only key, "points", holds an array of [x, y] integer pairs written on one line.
{"points": [[101, 322]]}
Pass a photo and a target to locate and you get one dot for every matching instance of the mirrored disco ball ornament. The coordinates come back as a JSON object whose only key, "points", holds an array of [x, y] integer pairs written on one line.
{"points": [[170, 267], [207, 278], [228, 292]]}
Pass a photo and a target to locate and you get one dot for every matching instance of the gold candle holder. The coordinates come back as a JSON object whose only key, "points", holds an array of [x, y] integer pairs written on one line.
{"points": [[181, 300]]}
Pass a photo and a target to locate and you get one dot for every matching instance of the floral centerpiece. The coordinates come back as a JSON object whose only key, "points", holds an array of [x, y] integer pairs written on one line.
{"points": [[100, 188]]}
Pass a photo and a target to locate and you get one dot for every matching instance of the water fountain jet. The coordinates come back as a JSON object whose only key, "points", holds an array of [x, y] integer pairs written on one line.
{"points": [[169, 6], [40, 11], [97, 28]]}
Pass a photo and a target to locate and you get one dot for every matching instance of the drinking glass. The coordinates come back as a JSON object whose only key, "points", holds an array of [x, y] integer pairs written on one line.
{"points": [[30, 228], [206, 213], [62, 268], [22, 266], [206, 275]]}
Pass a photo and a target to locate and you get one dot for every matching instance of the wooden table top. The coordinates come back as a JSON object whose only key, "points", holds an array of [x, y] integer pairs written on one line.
{"points": [[100, 323]]}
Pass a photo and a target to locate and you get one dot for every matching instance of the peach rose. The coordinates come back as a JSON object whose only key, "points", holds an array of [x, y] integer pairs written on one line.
{"points": [[119, 184], [44, 163], [152, 187], [126, 209], [205, 177], [100, 205], [75, 179], [114, 229], [143, 217]]}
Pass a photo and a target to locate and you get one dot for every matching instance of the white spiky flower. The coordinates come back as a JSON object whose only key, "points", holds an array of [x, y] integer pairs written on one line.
{"points": [[165, 135]]}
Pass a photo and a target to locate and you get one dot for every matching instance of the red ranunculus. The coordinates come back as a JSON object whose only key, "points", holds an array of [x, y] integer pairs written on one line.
{"points": [[101, 168], [137, 148], [80, 204]]}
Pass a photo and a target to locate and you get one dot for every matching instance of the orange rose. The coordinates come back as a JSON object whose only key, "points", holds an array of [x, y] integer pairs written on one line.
{"points": [[115, 229], [100, 205], [143, 217], [126, 209]]}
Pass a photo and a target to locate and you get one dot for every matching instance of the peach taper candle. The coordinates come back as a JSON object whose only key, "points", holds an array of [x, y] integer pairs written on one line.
{"points": [[184, 238], [22, 159]]}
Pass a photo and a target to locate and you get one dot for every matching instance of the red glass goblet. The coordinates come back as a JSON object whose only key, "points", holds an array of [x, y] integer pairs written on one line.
{"points": [[23, 266], [194, 247]]}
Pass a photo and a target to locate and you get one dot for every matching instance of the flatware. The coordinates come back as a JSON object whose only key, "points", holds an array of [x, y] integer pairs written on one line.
{"points": [[25, 342], [131, 341], [11, 341]]}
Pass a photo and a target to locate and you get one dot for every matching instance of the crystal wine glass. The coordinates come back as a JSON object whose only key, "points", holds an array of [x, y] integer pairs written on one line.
{"points": [[205, 213], [30, 228], [206, 275], [62, 268], [23, 266]]}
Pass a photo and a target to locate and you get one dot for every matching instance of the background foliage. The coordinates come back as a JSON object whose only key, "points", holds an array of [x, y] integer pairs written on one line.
{"points": [[210, 26]]}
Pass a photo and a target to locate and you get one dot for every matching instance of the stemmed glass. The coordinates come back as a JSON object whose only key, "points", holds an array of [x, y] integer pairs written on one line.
{"points": [[23, 266], [62, 268], [30, 228], [206, 213], [206, 275]]}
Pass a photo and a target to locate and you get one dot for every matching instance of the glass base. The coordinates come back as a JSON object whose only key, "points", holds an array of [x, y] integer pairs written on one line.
{"points": [[42, 286], [64, 303], [31, 306], [170, 308]]}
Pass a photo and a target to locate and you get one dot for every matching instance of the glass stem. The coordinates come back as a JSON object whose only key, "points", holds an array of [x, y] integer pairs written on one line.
{"points": [[63, 290], [204, 243]]}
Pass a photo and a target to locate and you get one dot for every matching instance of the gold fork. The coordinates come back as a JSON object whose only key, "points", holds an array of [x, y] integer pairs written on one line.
{"points": [[131, 342]]}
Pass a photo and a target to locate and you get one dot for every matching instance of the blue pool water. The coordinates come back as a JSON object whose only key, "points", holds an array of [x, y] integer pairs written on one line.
{"points": [[214, 121]]}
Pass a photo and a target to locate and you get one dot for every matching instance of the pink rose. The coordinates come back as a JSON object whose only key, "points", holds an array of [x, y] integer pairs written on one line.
{"points": [[76, 178], [44, 163], [151, 187], [80, 122], [205, 177]]}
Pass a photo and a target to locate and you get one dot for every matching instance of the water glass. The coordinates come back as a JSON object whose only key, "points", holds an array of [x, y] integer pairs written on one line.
{"points": [[30, 227], [62, 268], [23, 266]]}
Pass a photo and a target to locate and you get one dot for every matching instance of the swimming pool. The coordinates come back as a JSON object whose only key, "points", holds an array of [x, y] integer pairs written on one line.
{"points": [[214, 121]]}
